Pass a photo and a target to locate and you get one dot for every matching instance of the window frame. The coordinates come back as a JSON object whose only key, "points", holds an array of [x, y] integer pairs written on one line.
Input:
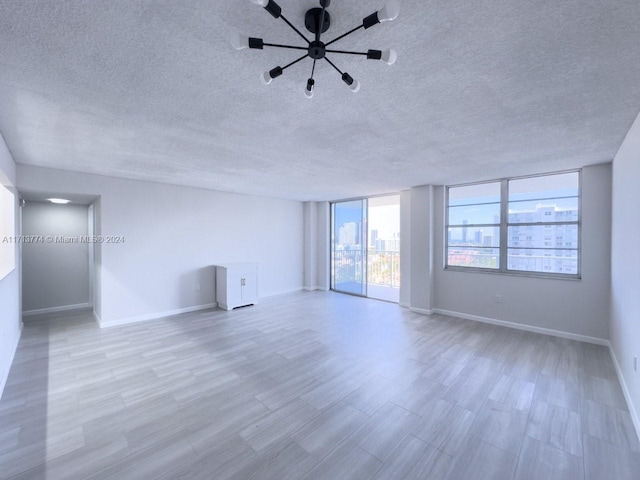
{"points": [[504, 225]]}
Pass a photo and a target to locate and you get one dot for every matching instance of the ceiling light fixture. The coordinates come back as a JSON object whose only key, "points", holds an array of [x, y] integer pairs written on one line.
{"points": [[61, 201], [317, 21]]}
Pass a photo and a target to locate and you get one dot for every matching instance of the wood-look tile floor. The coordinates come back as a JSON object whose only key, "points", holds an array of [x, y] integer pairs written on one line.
{"points": [[310, 386]]}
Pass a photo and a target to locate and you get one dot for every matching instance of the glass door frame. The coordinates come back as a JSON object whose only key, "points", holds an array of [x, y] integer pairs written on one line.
{"points": [[364, 241]]}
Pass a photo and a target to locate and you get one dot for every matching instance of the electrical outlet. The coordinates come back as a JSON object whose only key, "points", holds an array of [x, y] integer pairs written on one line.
{"points": [[498, 298], [197, 287]]}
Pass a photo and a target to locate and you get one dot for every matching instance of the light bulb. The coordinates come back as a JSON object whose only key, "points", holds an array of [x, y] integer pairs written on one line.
{"points": [[239, 42], [389, 12], [266, 78], [389, 56], [262, 3], [308, 91], [354, 85]]}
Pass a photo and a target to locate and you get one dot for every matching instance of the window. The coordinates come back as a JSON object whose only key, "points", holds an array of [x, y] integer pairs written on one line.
{"points": [[474, 226], [521, 225]]}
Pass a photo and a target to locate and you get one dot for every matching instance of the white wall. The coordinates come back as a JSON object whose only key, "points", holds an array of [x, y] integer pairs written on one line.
{"points": [[97, 260], [311, 251], [173, 236], [324, 240], [405, 248], [7, 231], [421, 230], [55, 275], [316, 245], [577, 307], [625, 266], [10, 285]]}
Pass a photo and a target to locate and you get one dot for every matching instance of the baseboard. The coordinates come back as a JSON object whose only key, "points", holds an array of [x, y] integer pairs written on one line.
{"points": [[178, 311], [153, 316], [627, 396], [527, 328], [404, 304], [63, 308], [5, 375], [311, 289], [421, 311], [283, 292], [97, 318]]}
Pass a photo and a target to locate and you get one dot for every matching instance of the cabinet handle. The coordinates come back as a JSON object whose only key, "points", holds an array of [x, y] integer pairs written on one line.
{"points": [[243, 282]]}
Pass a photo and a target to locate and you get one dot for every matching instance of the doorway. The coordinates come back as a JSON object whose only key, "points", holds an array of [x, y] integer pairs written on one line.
{"points": [[58, 260], [365, 247], [383, 252], [349, 247]]}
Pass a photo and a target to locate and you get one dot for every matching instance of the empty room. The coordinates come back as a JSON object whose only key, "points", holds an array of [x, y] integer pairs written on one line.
{"points": [[314, 239]]}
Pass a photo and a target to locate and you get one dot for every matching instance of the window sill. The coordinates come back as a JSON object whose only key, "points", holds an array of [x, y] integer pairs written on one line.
{"points": [[546, 276]]}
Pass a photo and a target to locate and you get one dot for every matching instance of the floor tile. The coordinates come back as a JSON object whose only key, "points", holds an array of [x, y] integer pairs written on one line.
{"points": [[556, 426], [604, 460], [539, 461], [479, 460], [445, 426], [609, 424], [415, 459], [501, 426], [470, 392]]}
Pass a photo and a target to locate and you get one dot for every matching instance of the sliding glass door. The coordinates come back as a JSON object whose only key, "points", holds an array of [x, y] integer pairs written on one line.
{"points": [[383, 262], [349, 247]]}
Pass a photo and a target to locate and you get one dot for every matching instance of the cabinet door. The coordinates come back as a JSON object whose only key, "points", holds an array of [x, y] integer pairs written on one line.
{"points": [[250, 288], [234, 289]]}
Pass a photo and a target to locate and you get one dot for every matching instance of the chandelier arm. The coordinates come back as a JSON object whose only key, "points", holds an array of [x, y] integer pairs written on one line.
{"points": [[333, 65], [294, 28], [277, 45], [344, 35], [346, 52], [295, 61], [313, 68]]}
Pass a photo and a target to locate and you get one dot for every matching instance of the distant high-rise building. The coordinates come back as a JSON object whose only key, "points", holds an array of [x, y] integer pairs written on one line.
{"points": [[373, 237], [478, 237], [496, 231], [549, 248], [393, 245], [347, 234], [464, 231]]}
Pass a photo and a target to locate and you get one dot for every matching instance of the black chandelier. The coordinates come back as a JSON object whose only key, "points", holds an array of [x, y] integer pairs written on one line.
{"points": [[317, 21]]}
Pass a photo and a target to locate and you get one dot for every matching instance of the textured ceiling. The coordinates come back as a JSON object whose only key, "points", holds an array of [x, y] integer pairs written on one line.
{"points": [[152, 90]]}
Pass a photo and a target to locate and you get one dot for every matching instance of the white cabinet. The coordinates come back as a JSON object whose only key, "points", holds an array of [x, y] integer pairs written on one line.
{"points": [[236, 285]]}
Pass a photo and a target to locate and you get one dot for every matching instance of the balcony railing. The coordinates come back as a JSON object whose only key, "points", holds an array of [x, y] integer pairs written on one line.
{"points": [[383, 267]]}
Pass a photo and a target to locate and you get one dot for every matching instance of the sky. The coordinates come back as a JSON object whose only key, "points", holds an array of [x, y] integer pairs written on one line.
{"points": [[382, 216]]}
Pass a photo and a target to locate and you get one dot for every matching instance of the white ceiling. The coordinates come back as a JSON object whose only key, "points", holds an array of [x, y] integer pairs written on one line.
{"points": [[78, 199], [152, 90]]}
